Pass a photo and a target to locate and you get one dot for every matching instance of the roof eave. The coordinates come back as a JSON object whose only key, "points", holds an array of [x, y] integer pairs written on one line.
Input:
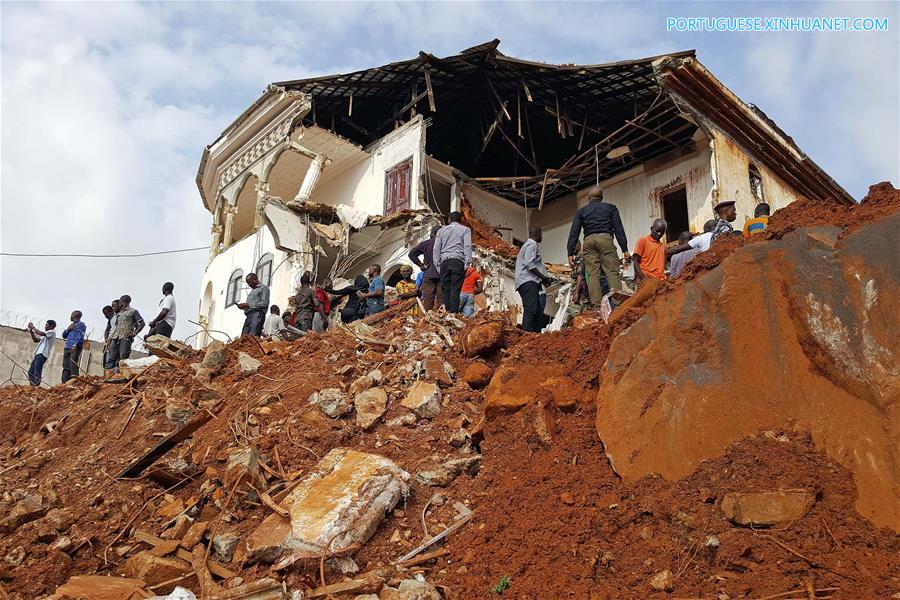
{"points": [[694, 85]]}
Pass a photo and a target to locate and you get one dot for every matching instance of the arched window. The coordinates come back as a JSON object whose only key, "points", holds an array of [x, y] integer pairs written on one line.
{"points": [[233, 293], [756, 184], [264, 270]]}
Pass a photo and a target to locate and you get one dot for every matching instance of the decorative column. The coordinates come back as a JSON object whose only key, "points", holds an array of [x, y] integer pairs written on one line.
{"points": [[262, 193], [311, 178], [230, 211], [216, 231]]}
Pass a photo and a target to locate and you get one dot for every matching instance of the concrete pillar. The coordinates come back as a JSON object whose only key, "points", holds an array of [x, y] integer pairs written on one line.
{"points": [[230, 212], [216, 231], [262, 192], [311, 178]]}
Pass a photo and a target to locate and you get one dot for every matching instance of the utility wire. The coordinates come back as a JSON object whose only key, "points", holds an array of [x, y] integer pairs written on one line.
{"points": [[23, 254]]}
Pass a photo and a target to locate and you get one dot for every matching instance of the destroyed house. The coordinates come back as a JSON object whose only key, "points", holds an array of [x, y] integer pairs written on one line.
{"points": [[331, 174]]}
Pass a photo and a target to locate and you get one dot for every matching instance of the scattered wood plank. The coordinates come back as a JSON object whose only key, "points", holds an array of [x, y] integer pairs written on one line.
{"points": [[456, 525], [364, 585], [425, 558], [138, 466], [267, 500], [214, 567]]}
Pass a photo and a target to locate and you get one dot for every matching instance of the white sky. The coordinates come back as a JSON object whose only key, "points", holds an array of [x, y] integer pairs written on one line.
{"points": [[105, 109]]}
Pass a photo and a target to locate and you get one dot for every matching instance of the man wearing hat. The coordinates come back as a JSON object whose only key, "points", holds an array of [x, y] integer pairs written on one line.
{"points": [[726, 214]]}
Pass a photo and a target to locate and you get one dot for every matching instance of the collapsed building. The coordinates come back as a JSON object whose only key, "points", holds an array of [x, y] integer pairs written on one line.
{"points": [[330, 174]]}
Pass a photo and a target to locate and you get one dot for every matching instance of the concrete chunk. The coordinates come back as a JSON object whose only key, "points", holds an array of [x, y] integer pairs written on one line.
{"points": [[424, 399], [342, 501], [767, 508], [154, 570], [332, 401], [370, 406], [247, 364]]}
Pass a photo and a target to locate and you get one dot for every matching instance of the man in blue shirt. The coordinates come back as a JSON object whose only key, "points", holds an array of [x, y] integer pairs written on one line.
{"points": [[74, 336], [375, 296]]}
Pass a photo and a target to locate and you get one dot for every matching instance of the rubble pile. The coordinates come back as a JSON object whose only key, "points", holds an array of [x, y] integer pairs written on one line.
{"points": [[431, 457]]}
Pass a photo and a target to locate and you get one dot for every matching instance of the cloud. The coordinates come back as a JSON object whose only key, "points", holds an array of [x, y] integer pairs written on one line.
{"points": [[106, 108]]}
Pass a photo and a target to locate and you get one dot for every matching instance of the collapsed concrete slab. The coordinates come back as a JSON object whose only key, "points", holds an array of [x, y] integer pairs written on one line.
{"points": [[800, 332], [339, 504]]}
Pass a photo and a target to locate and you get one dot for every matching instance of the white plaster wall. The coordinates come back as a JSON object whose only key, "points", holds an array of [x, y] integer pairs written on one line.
{"points": [[361, 185], [244, 255]]}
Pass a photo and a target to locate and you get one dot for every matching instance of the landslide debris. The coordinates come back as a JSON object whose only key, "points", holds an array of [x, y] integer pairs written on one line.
{"points": [[487, 436]]}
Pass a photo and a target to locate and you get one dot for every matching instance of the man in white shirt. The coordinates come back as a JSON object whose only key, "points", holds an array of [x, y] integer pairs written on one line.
{"points": [[44, 341], [697, 244], [164, 322], [274, 324]]}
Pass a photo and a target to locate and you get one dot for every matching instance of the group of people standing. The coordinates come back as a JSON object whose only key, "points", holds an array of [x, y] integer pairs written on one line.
{"points": [[123, 324], [448, 277], [596, 260]]}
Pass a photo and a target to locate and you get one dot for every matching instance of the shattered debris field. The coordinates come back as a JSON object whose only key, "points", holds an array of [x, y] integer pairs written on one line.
{"points": [[733, 433]]}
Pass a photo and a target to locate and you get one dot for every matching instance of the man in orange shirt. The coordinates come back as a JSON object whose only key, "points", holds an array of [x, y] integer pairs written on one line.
{"points": [[650, 254]]}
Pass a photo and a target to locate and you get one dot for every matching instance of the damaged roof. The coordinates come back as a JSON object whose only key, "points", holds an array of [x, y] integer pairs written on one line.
{"points": [[534, 132], [505, 121]]}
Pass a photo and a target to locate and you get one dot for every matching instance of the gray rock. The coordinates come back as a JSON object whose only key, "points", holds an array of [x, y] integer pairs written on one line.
{"points": [[223, 545], [332, 401], [247, 364], [444, 474], [402, 420], [370, 379]]}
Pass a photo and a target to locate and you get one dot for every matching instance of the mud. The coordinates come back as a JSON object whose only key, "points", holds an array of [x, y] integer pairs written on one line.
{"points": [[550, 512]]}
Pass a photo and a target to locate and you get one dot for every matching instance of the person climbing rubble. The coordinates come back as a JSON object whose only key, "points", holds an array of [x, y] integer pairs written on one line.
{"points": [[323, 307], [530, 275], [305, 303], [650, 254], [274, 324], [679, 260], [725, 216], [255, 307], [355, 308], [431, 277], [406, 287], [74, 336], [44, 340], [471, 287], [374, 295], [453, 253], [600, 222], [688, 247]]}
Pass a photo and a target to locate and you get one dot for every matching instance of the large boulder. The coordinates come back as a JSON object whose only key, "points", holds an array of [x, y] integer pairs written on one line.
{"points": [[515, 386], [799, 332]]}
